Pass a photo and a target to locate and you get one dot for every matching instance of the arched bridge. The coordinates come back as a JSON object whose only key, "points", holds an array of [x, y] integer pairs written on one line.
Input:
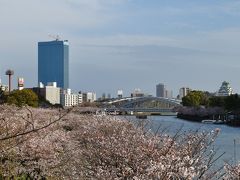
{"points": [[143, 104]]}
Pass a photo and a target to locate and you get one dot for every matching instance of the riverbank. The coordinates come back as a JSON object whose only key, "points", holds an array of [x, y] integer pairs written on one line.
{"points": [[217, 118], [194, 118], [203, 114]]}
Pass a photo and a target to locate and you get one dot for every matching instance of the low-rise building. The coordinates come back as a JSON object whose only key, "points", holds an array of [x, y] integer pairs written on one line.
{"points": [[4, 87], [69, 99], [50, 92], [91, 96], [137, 93], [120, 94]]}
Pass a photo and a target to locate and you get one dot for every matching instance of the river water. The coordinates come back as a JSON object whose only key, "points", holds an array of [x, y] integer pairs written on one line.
{"points": [[224, 142]]}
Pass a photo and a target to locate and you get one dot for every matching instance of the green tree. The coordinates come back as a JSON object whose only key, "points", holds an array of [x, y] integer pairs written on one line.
{"points": [[216, 101], [23, 97], [232, 102], [2, 95], [195, 98]]}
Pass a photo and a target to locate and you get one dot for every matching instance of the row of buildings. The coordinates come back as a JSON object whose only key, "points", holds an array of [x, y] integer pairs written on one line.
{"points": [[57, 95], [53, 79], [53, 66], [53, 75], [161, 91]]}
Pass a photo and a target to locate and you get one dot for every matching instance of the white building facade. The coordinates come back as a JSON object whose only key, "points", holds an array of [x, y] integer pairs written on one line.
{"points": [[183, 92], [52, 93], [68, 99], [91, 96]]}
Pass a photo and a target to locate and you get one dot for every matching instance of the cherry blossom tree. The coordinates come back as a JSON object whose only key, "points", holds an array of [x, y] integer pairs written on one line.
{"points": [[65, 144]]}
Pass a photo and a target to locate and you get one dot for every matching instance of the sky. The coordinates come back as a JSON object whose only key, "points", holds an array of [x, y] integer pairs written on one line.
{"points": [[127, 44]]}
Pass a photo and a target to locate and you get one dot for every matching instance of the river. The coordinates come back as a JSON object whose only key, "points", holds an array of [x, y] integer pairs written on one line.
{"points": [[224, 141]]}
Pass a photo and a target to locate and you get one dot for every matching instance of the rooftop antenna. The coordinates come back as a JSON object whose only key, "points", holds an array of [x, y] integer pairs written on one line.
{"points": [[55, 37]]}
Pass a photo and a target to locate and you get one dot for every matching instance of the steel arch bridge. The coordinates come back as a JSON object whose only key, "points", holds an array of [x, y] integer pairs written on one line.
{"points": [[145, 103]]}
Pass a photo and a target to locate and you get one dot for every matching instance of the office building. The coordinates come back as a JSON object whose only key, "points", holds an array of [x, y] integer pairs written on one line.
{"points": [[50, 92], [53, 63], [160, 90], [87, 97], [168, 94], [83, 97], [103, 96], [183, 92]]}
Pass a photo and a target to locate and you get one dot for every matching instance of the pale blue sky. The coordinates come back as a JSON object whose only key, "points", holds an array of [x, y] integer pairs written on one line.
{"points": [[127, 44]]}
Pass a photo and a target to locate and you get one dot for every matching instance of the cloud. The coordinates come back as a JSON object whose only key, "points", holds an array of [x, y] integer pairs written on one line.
{"points": [[217, 41], [124, 37], [223, 41], [25, 22], [126, 40], [29, 15], [231, 7]]}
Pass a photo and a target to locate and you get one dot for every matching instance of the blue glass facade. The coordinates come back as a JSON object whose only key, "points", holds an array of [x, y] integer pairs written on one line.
{"points": [[53, 63]]}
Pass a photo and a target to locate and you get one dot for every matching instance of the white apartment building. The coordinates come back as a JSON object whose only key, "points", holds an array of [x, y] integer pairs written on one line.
{"points": [[91, 96], [183, 92], [80, 98], [68, 99]]}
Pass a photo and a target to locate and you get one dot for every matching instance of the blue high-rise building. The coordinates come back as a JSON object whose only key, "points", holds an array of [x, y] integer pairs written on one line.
{"points": [[53, 63]]}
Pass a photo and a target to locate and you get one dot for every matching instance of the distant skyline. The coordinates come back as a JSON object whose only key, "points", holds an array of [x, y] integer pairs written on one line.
{"points": [[127, 44]]}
